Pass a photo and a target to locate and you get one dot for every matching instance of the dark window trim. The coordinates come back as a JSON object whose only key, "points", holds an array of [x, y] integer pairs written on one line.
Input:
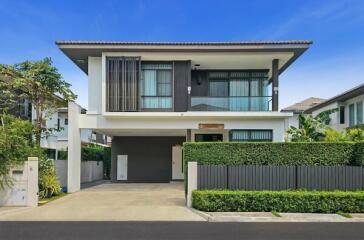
{"points": [[342, 114], [201, 134], [228, 78], [58, 124]]}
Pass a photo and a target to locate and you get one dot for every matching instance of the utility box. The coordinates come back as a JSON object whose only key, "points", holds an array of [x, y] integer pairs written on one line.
{"points": [[24, 190]]}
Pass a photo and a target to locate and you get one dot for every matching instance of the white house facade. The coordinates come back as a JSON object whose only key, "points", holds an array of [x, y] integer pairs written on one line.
{"points": [[152, 97], [349, 107]]}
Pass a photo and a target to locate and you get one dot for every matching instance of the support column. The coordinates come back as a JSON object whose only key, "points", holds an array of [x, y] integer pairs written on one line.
{"points": [[275, 83], [192, 181], [32, 193], [74, 149], [188, 135], [189, 87]]}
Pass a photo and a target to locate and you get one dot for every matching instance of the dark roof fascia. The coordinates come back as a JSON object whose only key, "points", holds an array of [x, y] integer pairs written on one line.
{"points": [[233, 43], [339, 98]]}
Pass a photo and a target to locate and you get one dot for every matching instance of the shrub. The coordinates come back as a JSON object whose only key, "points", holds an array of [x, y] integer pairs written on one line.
{"points": [[47, 178], [268, 153], [62, 155], [279, 201], [92, 153]]}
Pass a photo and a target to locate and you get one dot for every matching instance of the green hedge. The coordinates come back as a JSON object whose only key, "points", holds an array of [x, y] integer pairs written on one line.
{"points": [[280, 201], [268, 153]]}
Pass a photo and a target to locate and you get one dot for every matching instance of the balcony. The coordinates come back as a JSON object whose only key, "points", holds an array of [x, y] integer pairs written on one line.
{"points": [[232, 104]]}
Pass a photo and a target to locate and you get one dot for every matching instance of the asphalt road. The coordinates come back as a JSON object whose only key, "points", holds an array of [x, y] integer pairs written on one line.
{"points": [[178, 230]]}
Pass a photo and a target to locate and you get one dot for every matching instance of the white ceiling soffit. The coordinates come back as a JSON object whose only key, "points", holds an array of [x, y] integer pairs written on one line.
{"points": [[218, 60]]}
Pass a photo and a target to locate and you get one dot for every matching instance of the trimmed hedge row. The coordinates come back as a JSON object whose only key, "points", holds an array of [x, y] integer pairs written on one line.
{"points": [[280, 201], [88, 153], [93, 153], [268, 153]]}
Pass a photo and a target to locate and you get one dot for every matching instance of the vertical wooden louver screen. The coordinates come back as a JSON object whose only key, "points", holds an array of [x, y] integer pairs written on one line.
{"points": [[122, 84]]}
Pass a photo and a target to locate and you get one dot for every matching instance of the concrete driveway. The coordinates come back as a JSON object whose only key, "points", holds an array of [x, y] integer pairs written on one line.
{"points": [[113, 202]]}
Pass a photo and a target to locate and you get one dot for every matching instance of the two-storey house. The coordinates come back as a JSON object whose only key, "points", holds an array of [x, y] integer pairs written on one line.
{"points": [[153, 96]]}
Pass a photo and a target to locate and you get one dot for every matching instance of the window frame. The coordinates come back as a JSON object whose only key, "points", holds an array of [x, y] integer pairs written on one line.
{"points": [[141, 90], [250, 135], [228, 78]]}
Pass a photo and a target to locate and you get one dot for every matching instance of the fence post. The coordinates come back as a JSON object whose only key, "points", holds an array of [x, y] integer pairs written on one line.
{"points": [[191, 181], [32, 193]]}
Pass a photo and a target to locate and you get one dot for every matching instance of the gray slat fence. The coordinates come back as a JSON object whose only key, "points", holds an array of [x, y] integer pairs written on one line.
{"points": [[259, 177]]}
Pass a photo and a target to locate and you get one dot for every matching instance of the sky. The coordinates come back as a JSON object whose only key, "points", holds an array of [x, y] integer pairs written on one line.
{"points": [[333, 64]]}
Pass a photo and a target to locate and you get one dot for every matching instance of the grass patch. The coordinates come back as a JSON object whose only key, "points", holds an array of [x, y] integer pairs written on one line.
{"points": [[346, 215], [276, 214], [43, 201]]}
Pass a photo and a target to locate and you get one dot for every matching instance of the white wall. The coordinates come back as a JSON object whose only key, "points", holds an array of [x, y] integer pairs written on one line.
{"points": [[90, 171], [24, 191], [335, 117], [94, 85], [359, 98]]}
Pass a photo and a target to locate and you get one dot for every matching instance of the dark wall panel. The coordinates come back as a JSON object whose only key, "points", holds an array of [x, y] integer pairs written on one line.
{"points": [[149, 158], [182, 74], [256, 177], [199, 83]]}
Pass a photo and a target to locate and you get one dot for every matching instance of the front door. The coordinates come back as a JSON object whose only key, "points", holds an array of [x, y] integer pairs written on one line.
{"points": [[177, 168]]}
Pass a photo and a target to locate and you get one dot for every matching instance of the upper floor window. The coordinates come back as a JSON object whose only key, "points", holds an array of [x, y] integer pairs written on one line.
{"points": [[156, 86], [243, 91], [66, 121]]}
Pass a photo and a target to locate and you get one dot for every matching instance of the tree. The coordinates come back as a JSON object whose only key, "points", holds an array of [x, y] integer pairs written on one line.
{"points": [[41, 84], [15, 145], [311, 128]]}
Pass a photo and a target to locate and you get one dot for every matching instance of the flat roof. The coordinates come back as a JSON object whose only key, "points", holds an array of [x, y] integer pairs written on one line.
{"points": [[351, 93], [79, 51]]}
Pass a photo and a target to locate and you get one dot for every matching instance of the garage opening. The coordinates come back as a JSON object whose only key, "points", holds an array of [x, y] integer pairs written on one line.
{"points": [[144, 159]]}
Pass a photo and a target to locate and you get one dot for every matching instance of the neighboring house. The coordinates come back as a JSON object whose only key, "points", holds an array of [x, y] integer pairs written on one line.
{"points": [[58, 139], [349, 105], [153, 96], [299, 108], [58, 120]]}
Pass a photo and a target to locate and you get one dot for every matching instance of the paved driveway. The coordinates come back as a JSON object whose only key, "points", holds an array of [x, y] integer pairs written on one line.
{"points": [[113, 202]]}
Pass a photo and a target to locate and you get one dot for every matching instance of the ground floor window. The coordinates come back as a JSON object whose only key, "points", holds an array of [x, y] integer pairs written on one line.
{"points": [[251, 135], [209, 137], [359, 112], [351, 115]]}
